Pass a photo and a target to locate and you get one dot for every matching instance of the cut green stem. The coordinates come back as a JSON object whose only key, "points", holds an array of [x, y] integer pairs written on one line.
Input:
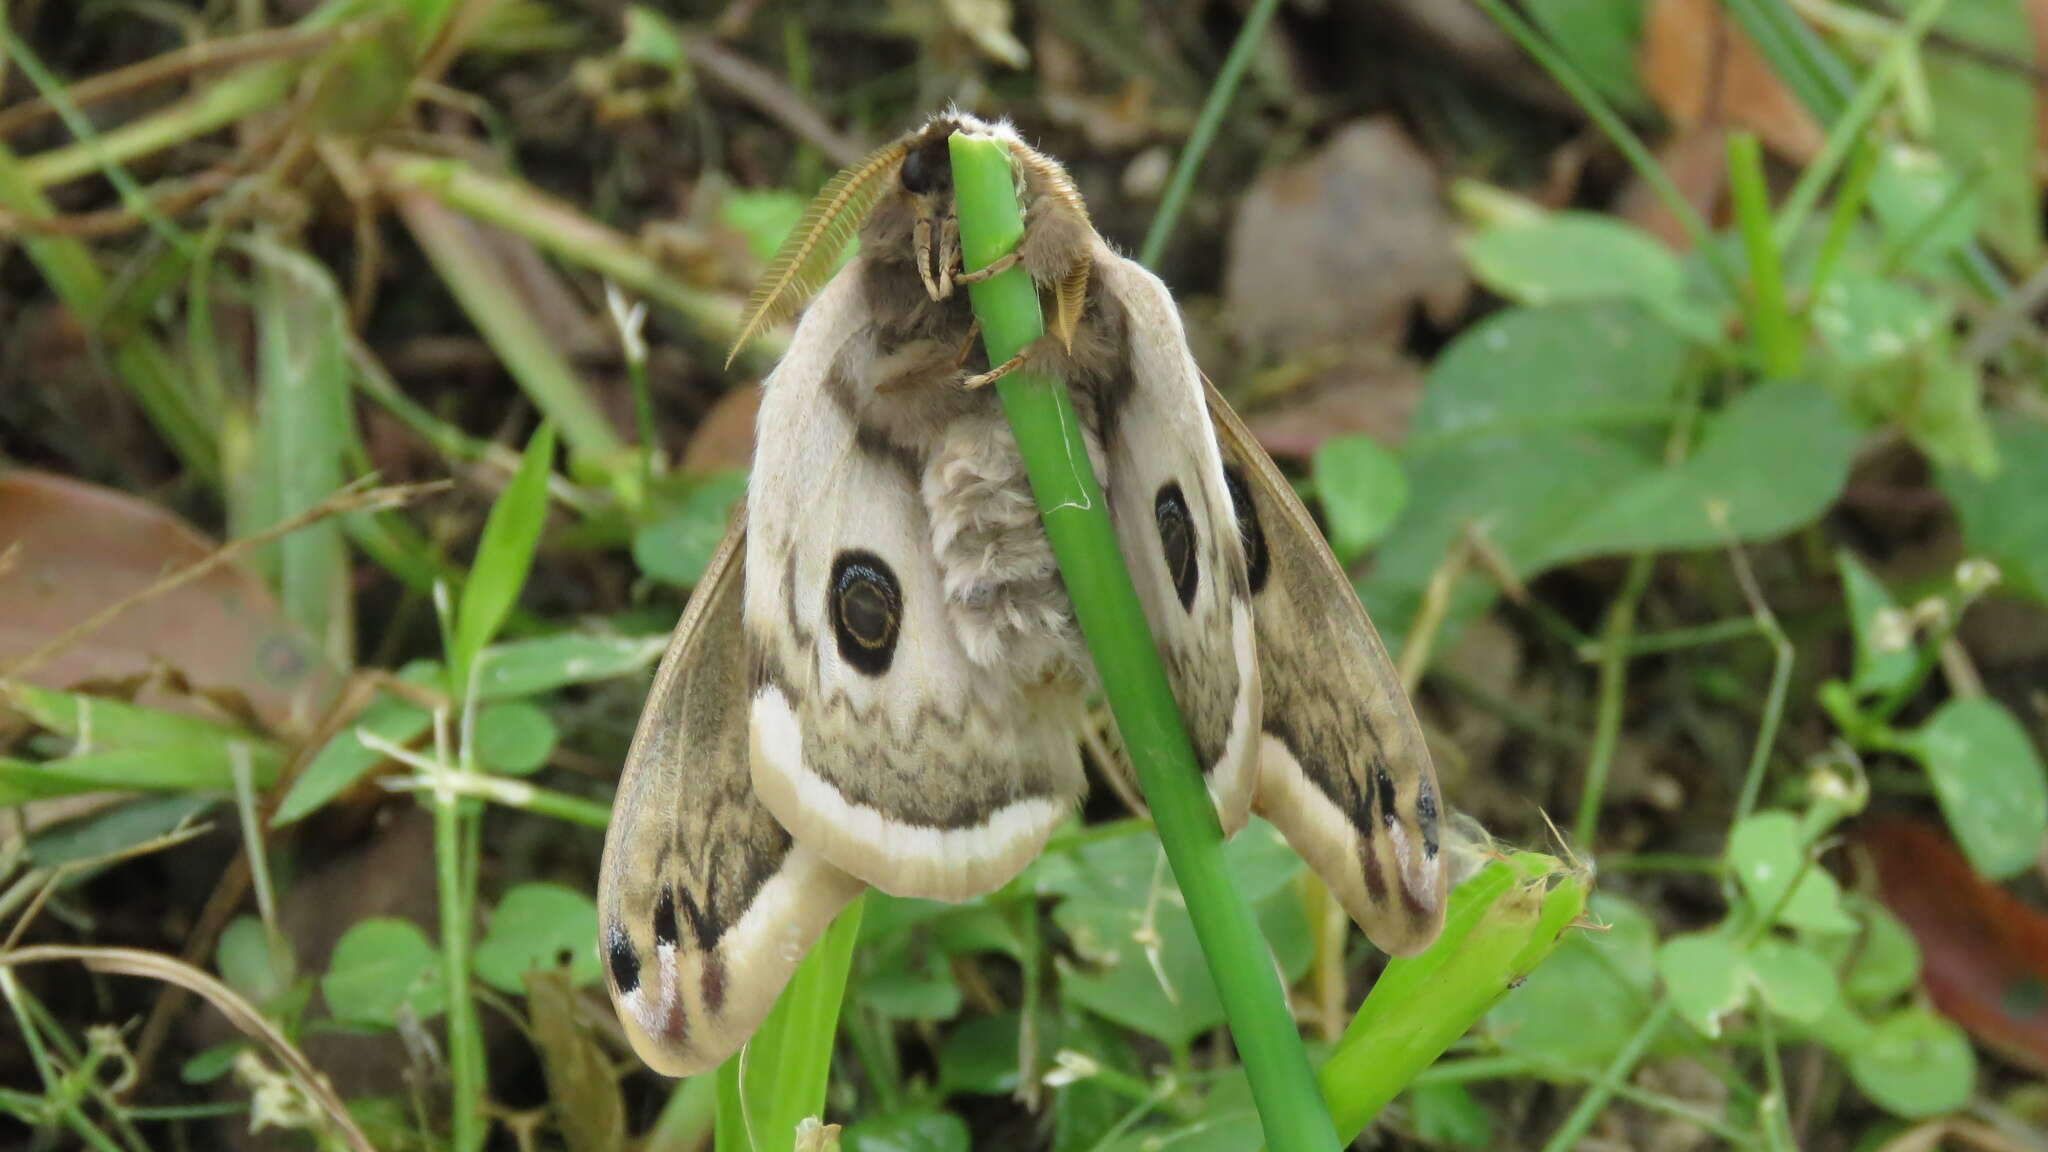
{"points": [[1113, 625]]}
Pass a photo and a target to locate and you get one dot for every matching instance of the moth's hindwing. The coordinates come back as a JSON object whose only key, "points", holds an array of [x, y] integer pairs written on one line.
{"points": [[1170, 501], [705, 903], [876, 740], [1343, 771]]}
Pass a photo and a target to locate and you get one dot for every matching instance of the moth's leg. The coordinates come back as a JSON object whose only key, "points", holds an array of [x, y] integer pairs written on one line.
{"points": [[1003, 263], [921, 237], [1033, 352], [949, 253], [967, 345]]}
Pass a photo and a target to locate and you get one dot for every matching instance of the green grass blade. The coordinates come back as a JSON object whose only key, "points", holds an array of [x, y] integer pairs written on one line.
{"points": [[1112, 622], [1500, 925], [504, 556], [779, 1077]]}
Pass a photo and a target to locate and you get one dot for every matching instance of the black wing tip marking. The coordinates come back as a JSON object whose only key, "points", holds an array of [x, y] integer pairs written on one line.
{"points": [[624, 962]]}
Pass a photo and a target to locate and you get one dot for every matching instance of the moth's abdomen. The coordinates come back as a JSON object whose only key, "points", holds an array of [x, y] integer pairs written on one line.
{"points": [[1001, 584]]}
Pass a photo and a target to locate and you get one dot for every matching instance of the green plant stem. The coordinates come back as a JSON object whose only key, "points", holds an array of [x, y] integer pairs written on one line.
{"points": [[1113, 625], [1213, 108], [1771, 324], [1614, 649], [465, 1040]]}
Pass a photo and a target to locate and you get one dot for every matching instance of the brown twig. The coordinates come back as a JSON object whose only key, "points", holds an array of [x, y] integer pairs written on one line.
{"points": [[201, 57]]}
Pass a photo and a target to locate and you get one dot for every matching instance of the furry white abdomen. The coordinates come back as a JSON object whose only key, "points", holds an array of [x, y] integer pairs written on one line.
{"points": [[1001, 585]]}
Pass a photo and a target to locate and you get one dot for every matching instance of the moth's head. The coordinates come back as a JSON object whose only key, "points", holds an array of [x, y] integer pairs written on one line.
{"points": [[887, 193]]}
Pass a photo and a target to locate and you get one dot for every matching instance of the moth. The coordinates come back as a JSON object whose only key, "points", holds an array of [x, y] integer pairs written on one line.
{"points": [[879, 681]]}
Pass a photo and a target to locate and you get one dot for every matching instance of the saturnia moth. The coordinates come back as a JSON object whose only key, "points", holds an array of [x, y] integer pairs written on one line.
{"points": [[879, 680]]}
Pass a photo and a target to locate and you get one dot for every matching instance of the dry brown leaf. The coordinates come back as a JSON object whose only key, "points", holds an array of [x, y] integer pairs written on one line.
{"points": [[75, 548], [1702, 71], [724, 439], [1336, 250]]}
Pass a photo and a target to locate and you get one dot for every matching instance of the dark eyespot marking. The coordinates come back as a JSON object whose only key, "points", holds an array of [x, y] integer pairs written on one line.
{"points": [[1257, 564], [866, 610], [927, 169], [1385, 785], [618, 950], [665, 919], [1177, 537], [1425, 815]]}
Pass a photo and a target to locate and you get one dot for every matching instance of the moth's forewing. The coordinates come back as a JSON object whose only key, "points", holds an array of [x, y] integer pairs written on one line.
{"points": [[1343, 770], [705, 903]]}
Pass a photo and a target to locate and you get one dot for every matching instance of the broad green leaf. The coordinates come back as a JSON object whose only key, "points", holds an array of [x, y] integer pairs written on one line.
{"points": [[379, 966], [979, 1056], [210, 1064], [505, 553], [1531, 417], [1883, 959], [899, 989], [677, 547], [1582, 256], [1706, 977], [253, 962], [1882, 662], [1125, 899], [514, 737], [1772, 461], [538, 928], [1794, 981], [1361, 488], [531, 667], [1915, 1064], [2004, 518], [1603, 38], [1984, 117], [1768, 857], [908, 1132], [1990, 781]]}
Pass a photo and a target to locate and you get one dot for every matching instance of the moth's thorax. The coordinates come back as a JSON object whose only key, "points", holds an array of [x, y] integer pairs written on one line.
{"points": [[899, 380]]}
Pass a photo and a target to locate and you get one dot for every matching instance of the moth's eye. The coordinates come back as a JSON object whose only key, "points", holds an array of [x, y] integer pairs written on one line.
{"points": [[926, 170], [1256, 562], [1177, 538], [867, 610]]}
